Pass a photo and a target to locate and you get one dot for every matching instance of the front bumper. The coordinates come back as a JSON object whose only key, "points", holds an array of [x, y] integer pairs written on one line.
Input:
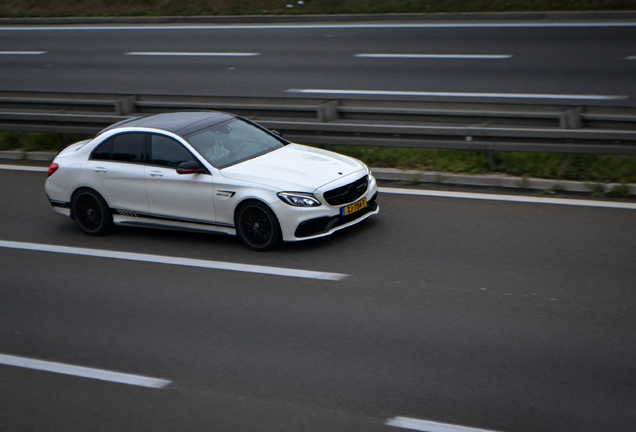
{"points": [[324, 225], [306, 223]]}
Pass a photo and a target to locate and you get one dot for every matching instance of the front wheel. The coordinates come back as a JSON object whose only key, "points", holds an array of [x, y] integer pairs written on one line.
{"points": [[91, 213], [257, 226]]}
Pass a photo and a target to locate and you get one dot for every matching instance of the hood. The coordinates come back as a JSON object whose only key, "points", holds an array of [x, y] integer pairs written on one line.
{"points": [[295, 167]]}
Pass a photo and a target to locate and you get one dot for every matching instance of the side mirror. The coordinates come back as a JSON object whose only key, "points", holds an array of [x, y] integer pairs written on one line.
{"points": [[191, 167]]}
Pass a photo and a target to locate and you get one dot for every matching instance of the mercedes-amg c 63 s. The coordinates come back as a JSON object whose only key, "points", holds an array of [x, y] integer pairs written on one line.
{"points": [[212, 172]]}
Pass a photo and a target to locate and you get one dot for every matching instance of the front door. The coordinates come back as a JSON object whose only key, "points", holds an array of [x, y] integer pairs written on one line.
{"points": [[172, 196]]}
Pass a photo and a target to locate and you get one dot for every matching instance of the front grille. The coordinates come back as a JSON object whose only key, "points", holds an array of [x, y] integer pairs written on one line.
{"points": [[347, 193]]}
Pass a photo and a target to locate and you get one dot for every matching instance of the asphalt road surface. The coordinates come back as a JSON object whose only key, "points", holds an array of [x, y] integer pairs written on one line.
{"points": [[504, 316], [543, 62]]}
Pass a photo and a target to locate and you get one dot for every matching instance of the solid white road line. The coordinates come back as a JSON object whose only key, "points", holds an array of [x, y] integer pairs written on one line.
{"points": [[454, 94], [429, 426], [23, 168], [84, 372], [323, 26], [193, 54], [509, 198], [450, 194], [159, 259], [22, 52], [438, 56]]}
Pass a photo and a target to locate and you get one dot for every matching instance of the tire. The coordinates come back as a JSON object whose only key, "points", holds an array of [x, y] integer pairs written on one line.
{"points": [[91, 213], [257, 226]]}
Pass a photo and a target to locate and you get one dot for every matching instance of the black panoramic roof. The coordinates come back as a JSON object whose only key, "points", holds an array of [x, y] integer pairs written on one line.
{"points": [[180, 123]]}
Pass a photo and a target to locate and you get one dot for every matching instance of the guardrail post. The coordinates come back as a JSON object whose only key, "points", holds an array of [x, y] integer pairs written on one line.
{"points": [[571, 119], [328, 111], [125, 106]]}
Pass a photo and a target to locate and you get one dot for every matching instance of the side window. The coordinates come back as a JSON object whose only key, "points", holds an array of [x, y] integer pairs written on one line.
{"points": [[168, 152], [129, 147], [104, 150]]}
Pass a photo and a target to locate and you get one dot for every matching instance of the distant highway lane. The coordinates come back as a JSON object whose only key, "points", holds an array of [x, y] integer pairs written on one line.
{"points": [[504, 316], [573, 63]]}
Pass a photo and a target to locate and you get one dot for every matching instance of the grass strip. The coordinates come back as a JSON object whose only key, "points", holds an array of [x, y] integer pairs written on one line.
{"points": [[97, 8], [557, 166]]}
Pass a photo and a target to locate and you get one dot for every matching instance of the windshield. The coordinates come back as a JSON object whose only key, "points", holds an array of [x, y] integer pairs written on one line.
{"points": [[231, 142]]}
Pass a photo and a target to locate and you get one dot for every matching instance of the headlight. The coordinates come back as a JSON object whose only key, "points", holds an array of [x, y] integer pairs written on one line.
{"points": [[298, 199]]}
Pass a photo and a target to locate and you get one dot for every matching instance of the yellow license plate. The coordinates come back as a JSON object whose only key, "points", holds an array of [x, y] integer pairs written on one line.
{"points": [[352, 208]]}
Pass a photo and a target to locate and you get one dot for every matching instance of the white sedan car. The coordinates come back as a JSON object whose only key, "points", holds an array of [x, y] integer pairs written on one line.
{"points": [[212, 172]]}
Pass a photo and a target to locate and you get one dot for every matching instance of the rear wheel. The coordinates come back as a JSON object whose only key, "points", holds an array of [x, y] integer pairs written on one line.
{"points": [[91, 213], [257, 226]]}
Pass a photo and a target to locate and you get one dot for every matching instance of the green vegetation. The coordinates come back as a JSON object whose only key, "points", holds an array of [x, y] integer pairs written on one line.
{"points": [[597, 189], [92, 8], [558, 188], [590, 168], [620, 191], [36, 141]]}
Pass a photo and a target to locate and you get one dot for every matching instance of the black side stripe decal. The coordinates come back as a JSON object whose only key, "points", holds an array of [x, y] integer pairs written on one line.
{"points": [[61, 204], [130, 213]]}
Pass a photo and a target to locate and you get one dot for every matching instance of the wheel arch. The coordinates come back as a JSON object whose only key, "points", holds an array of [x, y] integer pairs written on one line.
{"points": [[248, 199], [85, 188]]}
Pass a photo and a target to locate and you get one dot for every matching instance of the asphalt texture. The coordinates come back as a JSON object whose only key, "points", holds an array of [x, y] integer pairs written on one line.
{"points": [[544, 60], [505, 316]]}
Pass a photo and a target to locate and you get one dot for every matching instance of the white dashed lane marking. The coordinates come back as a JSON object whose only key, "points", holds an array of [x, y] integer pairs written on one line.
{"points": [[429, 426], [22, 52], [83, 372], [438, 56], [193, 54], [458, 94], [189, 262]]}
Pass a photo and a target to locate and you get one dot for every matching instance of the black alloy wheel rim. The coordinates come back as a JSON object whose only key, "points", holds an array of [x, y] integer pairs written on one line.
{"points": [[88, 212], [256, 226]]}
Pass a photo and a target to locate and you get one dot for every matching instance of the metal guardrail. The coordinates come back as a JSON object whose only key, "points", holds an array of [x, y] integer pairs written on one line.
{"points": [[468, 126]]}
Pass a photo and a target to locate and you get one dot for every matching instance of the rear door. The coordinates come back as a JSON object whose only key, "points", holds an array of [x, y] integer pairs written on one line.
{"points": [[116, 169]]}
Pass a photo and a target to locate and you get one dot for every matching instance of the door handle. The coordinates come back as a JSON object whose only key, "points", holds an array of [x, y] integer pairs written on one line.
{"points": [[100, 170], [156, 174]]}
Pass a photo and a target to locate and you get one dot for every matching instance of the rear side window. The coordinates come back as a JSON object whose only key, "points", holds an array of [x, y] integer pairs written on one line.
{"points": [[126, 147], [167, 152], [104, 151], [129, 147]]}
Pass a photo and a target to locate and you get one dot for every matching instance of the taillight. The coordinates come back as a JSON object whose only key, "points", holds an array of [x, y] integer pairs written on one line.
{"points": [[52, 169]]}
